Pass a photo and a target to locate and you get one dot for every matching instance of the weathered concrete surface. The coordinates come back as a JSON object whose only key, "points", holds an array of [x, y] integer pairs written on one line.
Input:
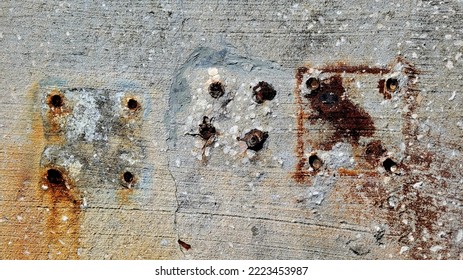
{"points": [[223, 200]]}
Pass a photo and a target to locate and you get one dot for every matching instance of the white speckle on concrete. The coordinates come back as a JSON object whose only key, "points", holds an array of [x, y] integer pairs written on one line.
{"points": [[459, 236], [453, 96], [449, 64], [212, 71], [418, 185], [436, 248], [404, 249]]}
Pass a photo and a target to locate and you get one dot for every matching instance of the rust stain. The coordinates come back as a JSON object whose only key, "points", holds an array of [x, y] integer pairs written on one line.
{"points": [[63, 221], [349, 121], [301, 174], [185, 245], [382, 89], [342, 67]]}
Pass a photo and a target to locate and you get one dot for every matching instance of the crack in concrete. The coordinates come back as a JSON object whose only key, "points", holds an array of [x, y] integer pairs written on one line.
{"points": [[177, 209]]}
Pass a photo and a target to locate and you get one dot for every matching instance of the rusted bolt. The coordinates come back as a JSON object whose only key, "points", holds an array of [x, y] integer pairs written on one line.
{"points": [[56, 100], [254, 139], [55, 177], [315, 162], [390, 165], [206, 129], [329, 98], [392, 84], [216, 89], [133, 104], [263, 91], [312, 83]]}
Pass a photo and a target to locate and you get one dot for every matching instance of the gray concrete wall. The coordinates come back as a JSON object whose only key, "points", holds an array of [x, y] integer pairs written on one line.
{"points": [[219, 198]]}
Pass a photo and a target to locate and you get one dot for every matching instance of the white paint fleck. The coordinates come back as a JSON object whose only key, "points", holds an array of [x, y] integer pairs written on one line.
{"points": [[449, 64], [177, 162], [212, 71], [459, 236], [44, 187], [448, 36], [19, 218], [404, 249], [436, 248], [64, 218], [453, 96]]}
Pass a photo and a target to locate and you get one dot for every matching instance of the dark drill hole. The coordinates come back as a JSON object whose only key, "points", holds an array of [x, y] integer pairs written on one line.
{"points": [[55, 177], [315, 162], [329, 98], [263, 91], [128, 177], [390, 165], [312, 83], [57, 101], [392, 84], [132, 104], [216, 89]]}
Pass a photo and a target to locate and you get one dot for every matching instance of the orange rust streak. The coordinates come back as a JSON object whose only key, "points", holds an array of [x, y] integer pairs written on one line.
{"points": [[299, 175]]}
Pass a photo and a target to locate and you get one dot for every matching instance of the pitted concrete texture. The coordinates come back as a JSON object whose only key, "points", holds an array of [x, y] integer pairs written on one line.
{"points": [[219, 130]]}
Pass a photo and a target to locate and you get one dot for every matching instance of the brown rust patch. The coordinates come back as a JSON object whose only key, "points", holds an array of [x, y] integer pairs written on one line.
{"points": [[301, 174], [382, 89], [373, 152], [349, 121]]}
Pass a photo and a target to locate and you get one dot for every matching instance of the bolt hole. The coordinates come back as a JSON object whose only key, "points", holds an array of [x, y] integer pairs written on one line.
{"points": [[132, 104], [389, 165], [315, 162], [392, 84], [216, 89], [128, 177], [263, 91], [312, 83], [55, 177], [56, 101]]}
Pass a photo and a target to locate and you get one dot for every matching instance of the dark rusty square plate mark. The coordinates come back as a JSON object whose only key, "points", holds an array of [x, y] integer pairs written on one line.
{"points": [[343, 111]]}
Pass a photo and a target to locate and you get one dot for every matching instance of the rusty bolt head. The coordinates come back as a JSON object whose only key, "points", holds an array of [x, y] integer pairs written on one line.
{"points": [[392, 84], [315, 162], [216, 89], [263, 91], [254, 139], [312, 83], [206, 129], [390, 165]]}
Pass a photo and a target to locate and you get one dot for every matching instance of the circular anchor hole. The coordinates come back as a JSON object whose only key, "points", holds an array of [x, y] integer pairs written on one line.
{"points": [[312, 83], [55, 177], [216, 89], [133, 104], [390, 165], [128, 179], [392, 84], [315, 162]]}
